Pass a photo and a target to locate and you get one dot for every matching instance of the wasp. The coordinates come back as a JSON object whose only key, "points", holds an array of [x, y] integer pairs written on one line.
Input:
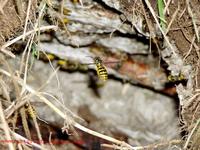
{"points": [[46, 57], [100, 68], [179, 77], [71, 65], [31, 111]]}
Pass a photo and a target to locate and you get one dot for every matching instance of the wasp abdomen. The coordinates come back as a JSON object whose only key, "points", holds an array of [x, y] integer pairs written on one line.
{"points": [[102, 72]]}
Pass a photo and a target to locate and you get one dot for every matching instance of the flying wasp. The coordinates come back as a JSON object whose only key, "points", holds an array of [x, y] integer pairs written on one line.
{"points": [[100, 68]]}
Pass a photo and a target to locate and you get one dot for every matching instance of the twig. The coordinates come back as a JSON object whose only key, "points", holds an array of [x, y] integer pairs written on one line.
{"points": [[188, 102], [27, 18], [182, 13], [171, 21], [52, 146], [5, 90], [26, 141], [117, 147], [2, 6], [25, 122], [6, 128], [7, 44], [157, 22], [19, 7], [191, 45], [7, 52], [49, 3], [34, 117], [190, 135], [193, 19], [166, 7], [151, 32], [196, 74], [22, 67], [13, 107], [151, 146], [192, 42]]}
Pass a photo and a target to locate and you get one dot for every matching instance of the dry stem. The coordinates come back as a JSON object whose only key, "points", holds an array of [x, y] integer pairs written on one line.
{"points": [[27, 18], [190, 135], [193, 19], [7, 44], [19, 137], [171, 21], [2, 6], [6, 128], [157, 22]]}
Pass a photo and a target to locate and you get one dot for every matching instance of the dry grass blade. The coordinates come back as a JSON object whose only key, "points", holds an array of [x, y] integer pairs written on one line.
{"points": [[166, 7], [3, 50], [193, 19], [21, 138], [2, 6], [157, 22], [27, 18], [191, 45], [7, 44], [28, 46], [25, 122], [191, 134], [151, 146], [52, 146], [6, 128], [171, 21], [5, 89], [15, 106], [49, 3]]}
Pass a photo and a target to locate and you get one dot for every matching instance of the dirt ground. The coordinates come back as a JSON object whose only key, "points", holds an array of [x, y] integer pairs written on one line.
{"points": [[12, 16]]}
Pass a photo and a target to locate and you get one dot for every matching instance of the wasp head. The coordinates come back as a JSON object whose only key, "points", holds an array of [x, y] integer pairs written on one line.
{"points": [[97, 60]]}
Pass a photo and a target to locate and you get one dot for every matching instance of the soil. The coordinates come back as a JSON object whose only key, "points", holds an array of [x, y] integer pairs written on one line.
{"points": [[12, 18], [182, 32]]}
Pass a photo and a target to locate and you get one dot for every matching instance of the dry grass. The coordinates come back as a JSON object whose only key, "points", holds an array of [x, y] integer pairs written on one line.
{"points": [[25, 91]]}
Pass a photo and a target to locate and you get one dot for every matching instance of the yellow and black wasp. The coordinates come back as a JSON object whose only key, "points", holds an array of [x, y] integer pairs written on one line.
{"points": [[100, 68], [177, 78], [71, 66], [31, 112]]}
